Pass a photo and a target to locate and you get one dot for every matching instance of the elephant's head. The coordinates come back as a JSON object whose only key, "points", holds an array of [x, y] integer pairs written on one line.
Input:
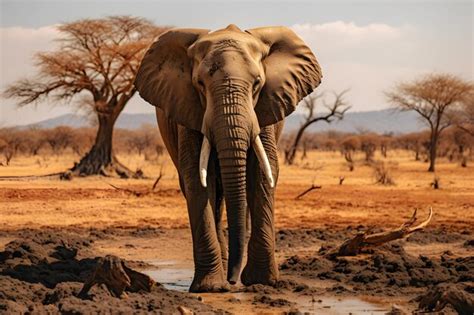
{"points": [[228, 84]]}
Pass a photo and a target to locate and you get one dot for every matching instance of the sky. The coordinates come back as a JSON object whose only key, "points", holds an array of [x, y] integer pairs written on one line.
{"points": [[364, 46]]}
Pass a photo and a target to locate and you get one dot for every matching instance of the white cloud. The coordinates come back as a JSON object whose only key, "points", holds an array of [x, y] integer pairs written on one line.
{"points": [[348, 31], [346, 41], [19, 45], [368, 59]]}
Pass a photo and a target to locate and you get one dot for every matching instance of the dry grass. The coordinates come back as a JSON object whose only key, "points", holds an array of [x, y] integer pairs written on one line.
{"points": [[93, 202]]}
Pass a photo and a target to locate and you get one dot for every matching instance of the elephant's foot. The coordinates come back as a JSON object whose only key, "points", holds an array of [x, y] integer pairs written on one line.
{"points": [[252, 275], [209, 282]]}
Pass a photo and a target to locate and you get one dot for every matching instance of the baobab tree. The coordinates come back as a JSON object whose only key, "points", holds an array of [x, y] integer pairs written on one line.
{"points": [[94, 65], [336, 110], [436, 98]]}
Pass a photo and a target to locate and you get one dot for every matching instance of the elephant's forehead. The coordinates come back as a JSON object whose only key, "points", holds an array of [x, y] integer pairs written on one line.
{"points": [[227, 39]]}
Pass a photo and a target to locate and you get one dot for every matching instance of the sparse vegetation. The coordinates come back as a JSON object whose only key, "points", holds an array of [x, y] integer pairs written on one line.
{"points": [[348, 148], [66, 141], [383, 173], [435, 183], [368, 145]]}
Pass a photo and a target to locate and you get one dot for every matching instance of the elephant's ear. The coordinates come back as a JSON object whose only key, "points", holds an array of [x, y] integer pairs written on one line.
{"points": [[164, 78], [292, 72]]}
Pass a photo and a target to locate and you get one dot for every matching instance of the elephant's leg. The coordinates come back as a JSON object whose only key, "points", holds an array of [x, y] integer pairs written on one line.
{"points": [[208, 272], [216, 197], [261, 265]]}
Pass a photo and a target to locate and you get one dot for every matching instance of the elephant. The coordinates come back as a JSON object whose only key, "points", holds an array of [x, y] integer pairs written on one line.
{"points": [[220, 99]]}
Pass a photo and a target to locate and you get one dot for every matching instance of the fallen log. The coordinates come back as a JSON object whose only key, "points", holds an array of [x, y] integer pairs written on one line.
{"points": [[355, 245], [438, 297], [117, 277]]}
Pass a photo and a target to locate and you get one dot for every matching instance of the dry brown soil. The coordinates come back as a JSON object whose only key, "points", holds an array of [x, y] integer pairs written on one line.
{"points": [[153, 230]]}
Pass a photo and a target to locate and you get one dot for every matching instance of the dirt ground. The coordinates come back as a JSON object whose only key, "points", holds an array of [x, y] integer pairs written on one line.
{"points": [[98, 219]]}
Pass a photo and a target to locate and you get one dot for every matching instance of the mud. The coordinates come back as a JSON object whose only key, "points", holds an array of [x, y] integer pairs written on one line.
{"points": [[265, 299], [388, 270], [290, 238], [43, 272], [282, 286], [441, 235]]}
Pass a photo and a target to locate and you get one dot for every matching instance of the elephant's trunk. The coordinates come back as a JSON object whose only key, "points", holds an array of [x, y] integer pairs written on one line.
{"points": [[232, 132], [232, 161], [232, 127]]}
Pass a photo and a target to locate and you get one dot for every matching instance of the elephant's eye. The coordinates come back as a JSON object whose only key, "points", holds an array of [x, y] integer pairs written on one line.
{"points": [[201, 85], [256, 84]]}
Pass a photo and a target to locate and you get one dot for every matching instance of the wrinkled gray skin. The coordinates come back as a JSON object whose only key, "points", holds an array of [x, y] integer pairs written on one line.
{"points": [[228, 86]]}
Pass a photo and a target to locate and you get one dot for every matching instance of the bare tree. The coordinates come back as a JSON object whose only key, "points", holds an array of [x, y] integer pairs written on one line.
{"points": [[82, 140], [95, 65], [5, 151], [413, 142], [384, 143], [348, 147], [465, 120], [435, 98], [11, 143], [59, 138], [368, 144], [34, 141], [142, 139], [336, 110]]}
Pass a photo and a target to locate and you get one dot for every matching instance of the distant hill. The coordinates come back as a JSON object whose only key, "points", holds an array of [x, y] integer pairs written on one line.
{"points": [[125, 121], [382, 121], [70, 120]]}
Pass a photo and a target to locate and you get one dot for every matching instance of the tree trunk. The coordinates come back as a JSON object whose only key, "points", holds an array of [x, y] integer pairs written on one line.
{"points": [[433, 147], [100, 159], [290, 153]]}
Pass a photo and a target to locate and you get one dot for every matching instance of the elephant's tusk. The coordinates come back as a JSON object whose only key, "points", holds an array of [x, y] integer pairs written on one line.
{"points": [[204, 160], [263, 160]]}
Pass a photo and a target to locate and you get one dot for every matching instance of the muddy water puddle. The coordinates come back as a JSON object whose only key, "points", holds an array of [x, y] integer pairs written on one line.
{"points": [[175, 275], [171, 274]]}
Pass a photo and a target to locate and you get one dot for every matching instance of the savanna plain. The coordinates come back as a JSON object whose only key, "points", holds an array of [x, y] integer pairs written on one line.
{"points": [[44, 219]]}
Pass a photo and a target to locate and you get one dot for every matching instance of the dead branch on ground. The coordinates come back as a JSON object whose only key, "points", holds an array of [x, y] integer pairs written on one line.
{"points": [[341, 180], [438, 297], [140, 193], [313, 187], [158, 178], [355, 245]]}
